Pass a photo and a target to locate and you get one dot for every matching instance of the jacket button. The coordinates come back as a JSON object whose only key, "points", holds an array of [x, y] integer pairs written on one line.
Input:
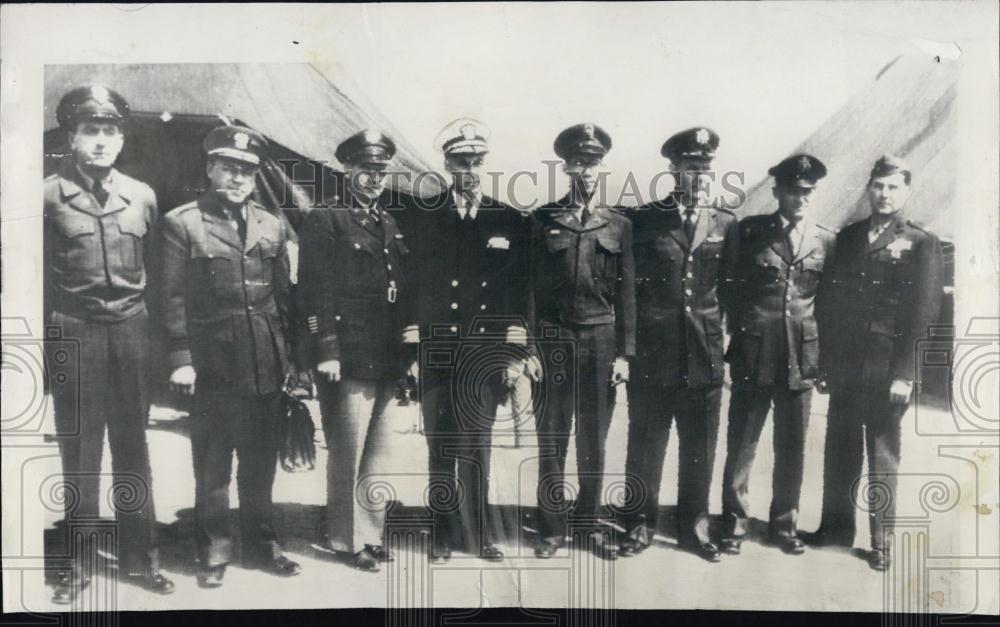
{"points": [[788, 312], [687, 307], [484, 283], [385, 251], [454, 305], [482, 329], [454, 283], [388, 266], [690, 275], [482, 307], [688, 292], [249, 307], [357, 246], [453, 329]]}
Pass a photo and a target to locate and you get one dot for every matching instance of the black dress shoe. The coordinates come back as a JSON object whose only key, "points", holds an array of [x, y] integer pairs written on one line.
{"points": [[440, 554], [630, 547], [491, 553], [596, 544], [69, 584], [364, 560], [281, 566], [381, 553], [731, 546], [154, 582], [545, 550], [879, 560], [212, 577], [708, 552], [790, 545]]}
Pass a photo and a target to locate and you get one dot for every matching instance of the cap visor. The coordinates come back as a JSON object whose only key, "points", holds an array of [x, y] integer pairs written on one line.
{"points": [[238, 155]]}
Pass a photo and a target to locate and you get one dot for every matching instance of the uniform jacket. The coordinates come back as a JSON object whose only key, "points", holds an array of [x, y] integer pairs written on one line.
{"points": [[472, 270], [776, 340], [352, 290], [879, 300], [682, 290], [95, 256], [584, 275], [226, 303]]}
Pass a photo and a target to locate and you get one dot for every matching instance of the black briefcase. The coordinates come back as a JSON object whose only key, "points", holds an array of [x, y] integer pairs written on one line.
{"points": [[298, 436]]}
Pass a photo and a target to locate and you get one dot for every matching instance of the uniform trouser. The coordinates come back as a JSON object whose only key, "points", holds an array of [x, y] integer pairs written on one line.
{"points": [[577, 371], [748, 409], [357, 440], [105, 385], [861, 417], [652, 407], [459, 425], [224, 421]]}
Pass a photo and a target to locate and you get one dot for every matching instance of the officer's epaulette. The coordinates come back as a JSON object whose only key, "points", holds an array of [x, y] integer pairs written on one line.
{"points": [[920, 226], [183, 208]]}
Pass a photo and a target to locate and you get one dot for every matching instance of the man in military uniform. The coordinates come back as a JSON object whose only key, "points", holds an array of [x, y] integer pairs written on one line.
{"points": [[685, 258], [351, 297], [774, 352], [473, 277], [584, 293], [226, 311], [98, 226], [882, 294]]}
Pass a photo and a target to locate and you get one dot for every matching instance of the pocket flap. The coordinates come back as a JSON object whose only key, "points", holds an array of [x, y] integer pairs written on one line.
{"points": [[609, 244], [73, 225]]}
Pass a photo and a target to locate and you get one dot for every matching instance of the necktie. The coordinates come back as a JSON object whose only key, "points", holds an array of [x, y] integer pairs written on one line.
{"points": [[100, 193], [375, 214], [584, 216], [689, 224], [790, 238], [241, 224]]}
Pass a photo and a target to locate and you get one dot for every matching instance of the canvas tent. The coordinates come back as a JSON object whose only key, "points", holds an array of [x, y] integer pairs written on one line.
{"points": [[303, 113], [909, 110]]}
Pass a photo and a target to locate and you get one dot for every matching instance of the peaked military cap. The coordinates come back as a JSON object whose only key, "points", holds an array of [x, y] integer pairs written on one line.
{"points": [[699, 143], [464, 136], [888, 165], [91, 102], [587, 139], [236, 142], [803, 170], [368, 146]]}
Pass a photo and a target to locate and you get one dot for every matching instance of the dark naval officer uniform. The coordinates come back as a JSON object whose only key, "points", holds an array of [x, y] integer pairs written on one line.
{"points": [[97, 238], [226, 311], [472, 308], [352, 290], [774, 356], [685, 260], [884, 291], [584, 295]]}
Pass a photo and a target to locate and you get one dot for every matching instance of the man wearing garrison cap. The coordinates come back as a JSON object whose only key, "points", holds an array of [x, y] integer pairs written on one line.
{"points": [[354, 278], [883, 293], [472, 253], [685, 260], [99, 224], [227, 309], [584, 294], [774, 351]]}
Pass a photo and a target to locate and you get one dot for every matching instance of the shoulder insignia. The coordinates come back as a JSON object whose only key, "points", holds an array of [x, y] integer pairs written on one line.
{"points": [[919, 226]]}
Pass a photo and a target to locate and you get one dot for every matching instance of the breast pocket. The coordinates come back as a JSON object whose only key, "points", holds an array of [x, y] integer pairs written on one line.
{"points": [[812, 269], [79, 246], [217, 272], [609, 252], [132, 227], [710, 258], [266, 257]]}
